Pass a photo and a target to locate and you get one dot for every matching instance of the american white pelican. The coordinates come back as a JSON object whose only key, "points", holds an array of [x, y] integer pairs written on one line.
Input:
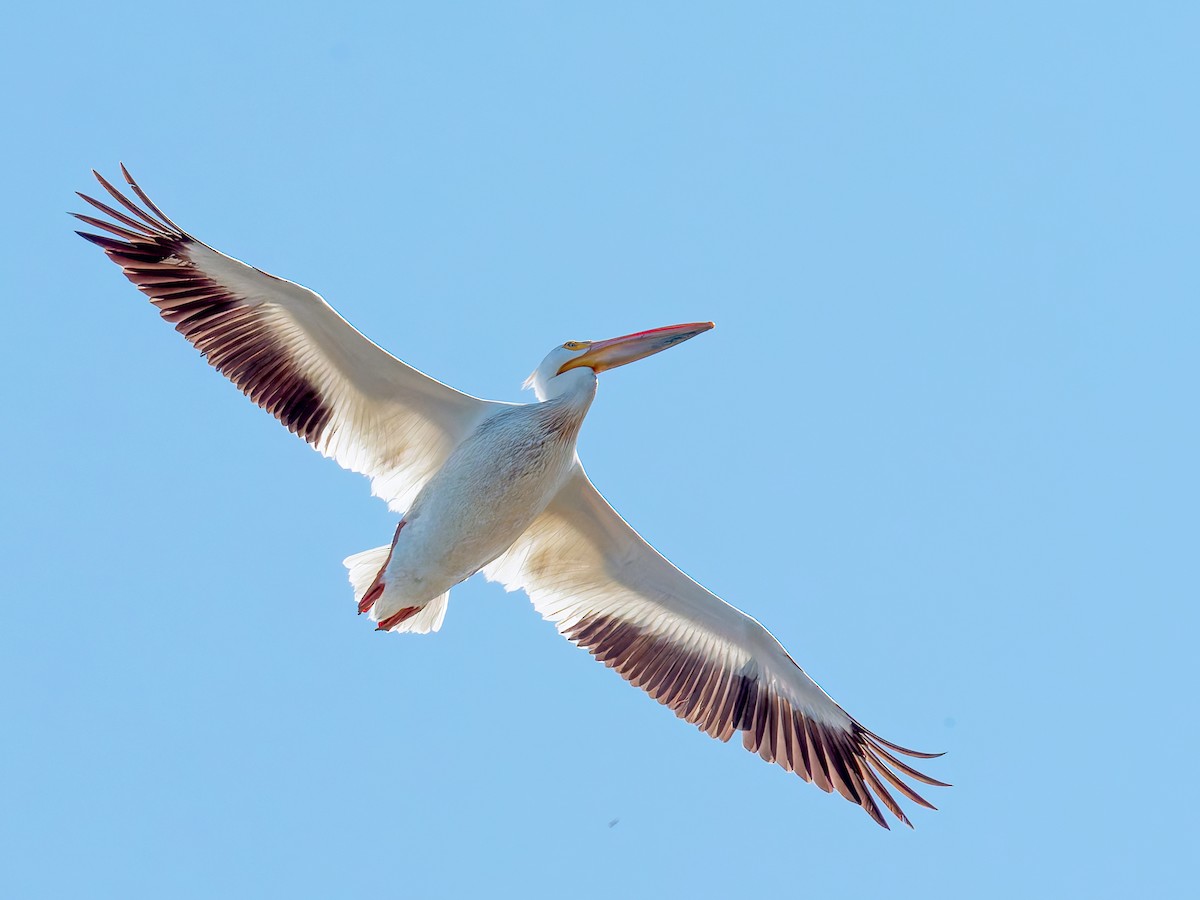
{"points": [[498, 488]]}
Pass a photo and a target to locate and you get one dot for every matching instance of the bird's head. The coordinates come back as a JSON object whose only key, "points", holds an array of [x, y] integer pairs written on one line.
{"points": [[566, 365]]}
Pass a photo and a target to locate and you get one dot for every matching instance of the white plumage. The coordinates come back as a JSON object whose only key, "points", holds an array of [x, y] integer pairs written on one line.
{"points": [[498, 487]]}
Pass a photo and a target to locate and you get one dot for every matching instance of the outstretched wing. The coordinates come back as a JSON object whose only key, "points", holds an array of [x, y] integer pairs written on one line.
{"points": [[610, 592], [289, 351]]}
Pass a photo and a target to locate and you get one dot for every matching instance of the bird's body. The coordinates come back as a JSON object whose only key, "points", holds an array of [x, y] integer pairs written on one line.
{"points": [[498, 488], [485, 496]]}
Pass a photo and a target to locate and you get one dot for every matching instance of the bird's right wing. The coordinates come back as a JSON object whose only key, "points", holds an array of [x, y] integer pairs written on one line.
{"points": [[610, 592], [290, 352]]}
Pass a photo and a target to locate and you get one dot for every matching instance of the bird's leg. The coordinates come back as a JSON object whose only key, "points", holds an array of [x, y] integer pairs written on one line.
{"points": [[375, 591], [396, 618]]}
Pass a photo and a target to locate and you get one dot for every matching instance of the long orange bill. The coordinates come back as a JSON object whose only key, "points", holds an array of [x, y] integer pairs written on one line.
{"points": [[629, 348]]}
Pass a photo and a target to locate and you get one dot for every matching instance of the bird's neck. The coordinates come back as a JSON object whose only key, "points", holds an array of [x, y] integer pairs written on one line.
{"points": [[574, 387], [561, 412]]}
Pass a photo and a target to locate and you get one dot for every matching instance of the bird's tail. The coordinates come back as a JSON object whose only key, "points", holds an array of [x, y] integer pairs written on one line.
{"points": [[366, 577]]}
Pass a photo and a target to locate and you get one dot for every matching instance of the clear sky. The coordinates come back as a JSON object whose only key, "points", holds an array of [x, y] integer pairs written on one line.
{"points": [[943, 442]]}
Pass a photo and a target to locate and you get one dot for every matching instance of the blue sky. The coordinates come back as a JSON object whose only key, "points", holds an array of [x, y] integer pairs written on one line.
{"points": [[943, 442]]}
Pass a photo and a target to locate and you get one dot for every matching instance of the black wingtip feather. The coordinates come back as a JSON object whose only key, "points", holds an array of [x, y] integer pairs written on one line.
{"points": [[101, 241], [722, 701], [232, 334]]}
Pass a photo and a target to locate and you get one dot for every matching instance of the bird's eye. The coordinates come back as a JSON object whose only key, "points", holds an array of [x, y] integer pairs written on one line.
{"points": [[572, 345]]}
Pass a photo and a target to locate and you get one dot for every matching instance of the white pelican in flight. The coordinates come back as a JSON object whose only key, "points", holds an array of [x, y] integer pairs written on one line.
{"points": [[484, 486]]}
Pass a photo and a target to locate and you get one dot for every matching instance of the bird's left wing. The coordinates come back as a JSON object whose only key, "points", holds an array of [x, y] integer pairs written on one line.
{"points": [[290, 352], [610, 592]]}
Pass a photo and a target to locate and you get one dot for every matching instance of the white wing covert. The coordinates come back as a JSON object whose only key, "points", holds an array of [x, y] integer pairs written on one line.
{"points": [[290, 352], [608, 591]]}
